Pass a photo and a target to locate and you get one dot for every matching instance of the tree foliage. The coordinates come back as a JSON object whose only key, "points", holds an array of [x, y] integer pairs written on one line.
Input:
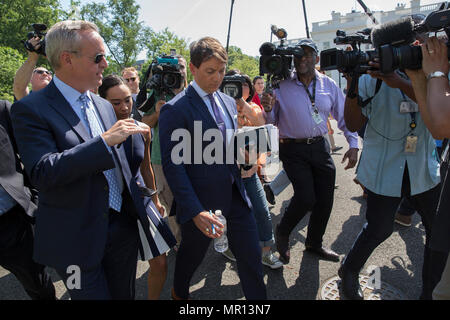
{"points": [[246, 64], [10, 61], [124, 35]]}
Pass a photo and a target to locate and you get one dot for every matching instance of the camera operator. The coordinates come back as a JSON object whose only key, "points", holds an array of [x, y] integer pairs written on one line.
{"points": [[300, 109], [431, 87], [397, 161], [151, 119], [28, 73]]}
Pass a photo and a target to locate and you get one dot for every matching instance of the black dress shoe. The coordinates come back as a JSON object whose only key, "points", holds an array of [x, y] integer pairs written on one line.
{"points": [[350, 284], [282, 244], [269, 194], [326, 254]]}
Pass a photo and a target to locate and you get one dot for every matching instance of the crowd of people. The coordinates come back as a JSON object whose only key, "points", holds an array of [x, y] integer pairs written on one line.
{"points": [[88, 181]]}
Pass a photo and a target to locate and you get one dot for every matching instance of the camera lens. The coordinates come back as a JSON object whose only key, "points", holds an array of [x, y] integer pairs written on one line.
{"points": [[273, 64], [169, 80], [231, 90]]}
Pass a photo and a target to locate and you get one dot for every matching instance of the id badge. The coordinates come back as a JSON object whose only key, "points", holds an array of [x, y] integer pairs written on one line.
{"points": [[316, 116], [408, 107], [411, 144]]}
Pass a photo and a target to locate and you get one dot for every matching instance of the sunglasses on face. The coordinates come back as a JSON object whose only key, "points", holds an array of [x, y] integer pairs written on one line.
{"points": [[97, 59], [133, 79], [43, 72]]}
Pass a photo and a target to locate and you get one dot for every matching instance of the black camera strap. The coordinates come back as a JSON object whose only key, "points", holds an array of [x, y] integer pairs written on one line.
{"points": [[364, 103], [312, 97]]}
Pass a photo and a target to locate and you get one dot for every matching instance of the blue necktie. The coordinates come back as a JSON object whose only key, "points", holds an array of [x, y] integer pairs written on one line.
{"points": [[219, 120], [115, 198]]}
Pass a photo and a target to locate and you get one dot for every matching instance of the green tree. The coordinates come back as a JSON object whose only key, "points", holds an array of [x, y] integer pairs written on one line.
{"points": [[16, 18], [10, 61], [245, 63], [124, 35]]}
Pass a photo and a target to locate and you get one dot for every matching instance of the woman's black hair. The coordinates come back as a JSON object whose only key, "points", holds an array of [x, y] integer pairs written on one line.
{"points": [[108, 82]]}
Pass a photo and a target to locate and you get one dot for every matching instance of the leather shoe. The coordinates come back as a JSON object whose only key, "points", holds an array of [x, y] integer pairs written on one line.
{"points": [[269, 194], [282, 244], [326, 254], [350, 284]]}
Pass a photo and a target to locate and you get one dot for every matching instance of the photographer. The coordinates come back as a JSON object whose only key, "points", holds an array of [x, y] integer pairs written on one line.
{"points": [[151, 118], [300, 109], [28, 73], [397, 160], [431, 86]]}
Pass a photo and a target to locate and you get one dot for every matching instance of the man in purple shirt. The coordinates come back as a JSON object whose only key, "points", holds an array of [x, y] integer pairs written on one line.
{"points": [[300, 108]]}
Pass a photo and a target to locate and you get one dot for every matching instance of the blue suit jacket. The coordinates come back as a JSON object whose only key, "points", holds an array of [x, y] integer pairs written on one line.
{"points": [[66, 166], [197, 187]]}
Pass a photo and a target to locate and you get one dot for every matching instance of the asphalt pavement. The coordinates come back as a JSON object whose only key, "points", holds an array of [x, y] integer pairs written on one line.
{"points": [[399, 257]]}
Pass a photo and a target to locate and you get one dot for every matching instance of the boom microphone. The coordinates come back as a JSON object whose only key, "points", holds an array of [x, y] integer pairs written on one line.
{"points": [[397, 32], [267, 49]]}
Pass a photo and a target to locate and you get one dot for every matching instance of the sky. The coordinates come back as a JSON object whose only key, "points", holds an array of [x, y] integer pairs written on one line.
{"points": [[251, 20]]}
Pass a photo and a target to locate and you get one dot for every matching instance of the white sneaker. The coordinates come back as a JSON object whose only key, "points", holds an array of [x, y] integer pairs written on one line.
{"points": [[270, 260]]}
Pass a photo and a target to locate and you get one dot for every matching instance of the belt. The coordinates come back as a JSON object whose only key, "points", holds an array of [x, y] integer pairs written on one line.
{"points": [[305, 140]]}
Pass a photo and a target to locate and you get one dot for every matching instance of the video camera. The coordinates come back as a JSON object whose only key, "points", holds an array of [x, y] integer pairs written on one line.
{"points": [[402, 55], [162, 76], [276, 62], [232, 86], [38, 29], [348, 61]]}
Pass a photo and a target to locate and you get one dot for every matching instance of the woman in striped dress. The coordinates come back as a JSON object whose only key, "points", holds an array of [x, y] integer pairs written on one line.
{"points": [[137, 148]]}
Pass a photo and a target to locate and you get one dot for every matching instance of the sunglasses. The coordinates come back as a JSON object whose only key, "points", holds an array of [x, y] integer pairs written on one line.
{"points": [[133, 79], [43, 72], [97, 59]]}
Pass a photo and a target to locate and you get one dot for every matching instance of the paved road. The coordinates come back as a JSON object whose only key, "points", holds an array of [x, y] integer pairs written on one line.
{"points": [[399, 257]]}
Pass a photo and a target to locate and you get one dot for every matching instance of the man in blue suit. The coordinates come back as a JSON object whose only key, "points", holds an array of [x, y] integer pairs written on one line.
{"points": [[199, 187], [70, 144]]}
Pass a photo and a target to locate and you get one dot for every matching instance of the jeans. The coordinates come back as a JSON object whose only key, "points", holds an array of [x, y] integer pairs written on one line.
{"points": [[260, 210]]}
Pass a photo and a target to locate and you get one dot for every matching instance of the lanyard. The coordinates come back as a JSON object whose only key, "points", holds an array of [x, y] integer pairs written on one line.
{"points": [[413, 124], [312, 97]]}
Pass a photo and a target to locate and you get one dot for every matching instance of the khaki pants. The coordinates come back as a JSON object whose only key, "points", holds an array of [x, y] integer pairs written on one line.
{"points": [[166, 198], [442, 290]]}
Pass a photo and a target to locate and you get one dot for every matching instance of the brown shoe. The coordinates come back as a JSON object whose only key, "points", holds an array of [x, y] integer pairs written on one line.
{"points": [[403, 220]]}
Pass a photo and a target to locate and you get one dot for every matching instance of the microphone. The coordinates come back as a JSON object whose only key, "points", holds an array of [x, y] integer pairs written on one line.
{"points": [[267, 49], [397, 32]]}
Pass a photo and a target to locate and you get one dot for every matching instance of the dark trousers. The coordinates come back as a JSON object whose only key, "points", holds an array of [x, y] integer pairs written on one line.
{"points": [[16, 251], [115, 277], [311, 170], [380, 217], [242, 236]]}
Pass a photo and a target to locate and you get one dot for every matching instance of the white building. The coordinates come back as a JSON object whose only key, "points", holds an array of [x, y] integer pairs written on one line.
{"points": [[324, 32]]}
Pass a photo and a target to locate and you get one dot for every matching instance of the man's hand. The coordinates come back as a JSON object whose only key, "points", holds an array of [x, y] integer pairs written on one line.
{"points": [[204, 222], [434, 53], [121, 130], [352, 156], [392, 79], [267, 101]]}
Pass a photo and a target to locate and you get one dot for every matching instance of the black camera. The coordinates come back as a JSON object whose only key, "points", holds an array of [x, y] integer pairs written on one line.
{"points": [[232, 86], [348, 61], [38, 31], [162, 76], [276, 62], [404, 55]]}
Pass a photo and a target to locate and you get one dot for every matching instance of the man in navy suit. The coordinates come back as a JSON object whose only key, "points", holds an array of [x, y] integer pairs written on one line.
{"points": [[70, 144], [199, 187]]}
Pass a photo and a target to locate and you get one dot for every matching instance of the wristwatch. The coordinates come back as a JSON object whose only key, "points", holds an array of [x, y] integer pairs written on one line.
{"points": [[436, 74]]}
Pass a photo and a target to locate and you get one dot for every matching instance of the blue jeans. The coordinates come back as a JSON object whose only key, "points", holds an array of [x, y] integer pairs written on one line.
{"points": [[260, 210]]}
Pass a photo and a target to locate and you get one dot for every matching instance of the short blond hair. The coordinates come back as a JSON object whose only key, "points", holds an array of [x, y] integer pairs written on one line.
{"points": [[130, 69], [65, 36]]}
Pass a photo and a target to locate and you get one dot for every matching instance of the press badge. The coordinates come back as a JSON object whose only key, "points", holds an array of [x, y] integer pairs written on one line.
{"points": [[316, 116], [408, 107], [411, 144]]}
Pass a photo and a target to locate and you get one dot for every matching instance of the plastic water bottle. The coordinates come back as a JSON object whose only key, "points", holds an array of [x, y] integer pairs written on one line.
{"points": [[221, 243]]}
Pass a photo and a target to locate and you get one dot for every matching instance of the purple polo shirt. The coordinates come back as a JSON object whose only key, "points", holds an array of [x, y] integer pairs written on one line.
{"points": [[292, 113]]}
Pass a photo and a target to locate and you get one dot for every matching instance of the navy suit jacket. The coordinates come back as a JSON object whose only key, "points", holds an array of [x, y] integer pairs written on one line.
{"points": [[197, 187], [66, 166]]}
